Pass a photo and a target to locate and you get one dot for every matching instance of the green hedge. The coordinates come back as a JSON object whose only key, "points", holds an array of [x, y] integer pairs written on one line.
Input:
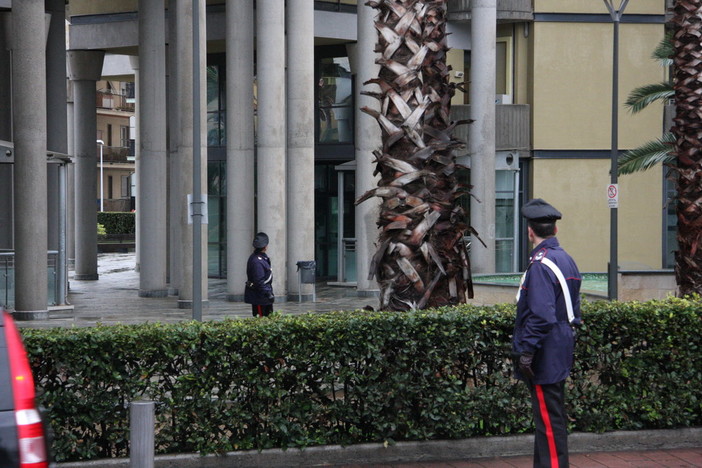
{"points": [[353, 377], [117, 222]]}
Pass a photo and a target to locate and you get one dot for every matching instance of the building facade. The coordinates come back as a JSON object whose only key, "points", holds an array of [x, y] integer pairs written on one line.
{"points": [[283, 147]]}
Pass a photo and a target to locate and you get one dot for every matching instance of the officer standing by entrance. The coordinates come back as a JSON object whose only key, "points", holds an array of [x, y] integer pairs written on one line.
{"points": [[259, 273], [548, 307]]}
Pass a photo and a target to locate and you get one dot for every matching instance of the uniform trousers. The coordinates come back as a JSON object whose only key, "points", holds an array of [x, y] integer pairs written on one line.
{"points": [[551, 438], [261, 310]]}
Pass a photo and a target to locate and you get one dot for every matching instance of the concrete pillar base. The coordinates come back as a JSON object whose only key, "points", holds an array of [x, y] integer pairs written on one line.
{"points": [[153, 293], [188, 304], [294, 297], [27, 315], [87, 277], [281, 300]]}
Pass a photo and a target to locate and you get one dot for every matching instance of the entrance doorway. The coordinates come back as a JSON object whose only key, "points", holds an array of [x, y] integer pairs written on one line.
{"points": [[346, 242], [334, 221]]}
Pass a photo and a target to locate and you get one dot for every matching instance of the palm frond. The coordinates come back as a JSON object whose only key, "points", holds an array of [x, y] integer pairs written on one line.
{"points": [[664, 51], [642, 96], [647, 155]]}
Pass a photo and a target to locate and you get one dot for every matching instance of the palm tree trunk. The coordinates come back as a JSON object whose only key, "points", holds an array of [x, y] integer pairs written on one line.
{"points": [[687, 128], [421, 259]]}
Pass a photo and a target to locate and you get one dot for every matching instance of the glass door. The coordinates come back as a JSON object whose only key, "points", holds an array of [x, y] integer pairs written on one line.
{"points": [[506, 221], [346, 242]]}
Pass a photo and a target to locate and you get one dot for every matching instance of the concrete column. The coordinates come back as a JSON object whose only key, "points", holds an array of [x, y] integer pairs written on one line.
{"points": [[152, 132], [70, 185], [183, 163], [134, 62], [368, 139], [173, 54], [271, 170], [6, 170], [240, 144], [29, 136], [5, 78], [85, 68], [300, 123], [481, 141], [57, 135]]}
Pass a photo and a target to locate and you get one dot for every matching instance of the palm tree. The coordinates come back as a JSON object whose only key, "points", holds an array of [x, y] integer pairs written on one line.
{"points": [[659, 150], [421, 259], [687, 129]]}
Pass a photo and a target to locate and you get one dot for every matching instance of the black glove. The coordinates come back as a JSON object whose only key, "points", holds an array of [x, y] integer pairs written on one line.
{"points": [[524, 365], [271, 297]]}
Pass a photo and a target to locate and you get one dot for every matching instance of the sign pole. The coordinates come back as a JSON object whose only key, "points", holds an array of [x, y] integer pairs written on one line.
{"points": [[613, 269]]}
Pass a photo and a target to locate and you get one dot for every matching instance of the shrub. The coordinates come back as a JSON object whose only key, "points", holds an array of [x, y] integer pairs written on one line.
{"points": [[117, 222], [353, 377]]}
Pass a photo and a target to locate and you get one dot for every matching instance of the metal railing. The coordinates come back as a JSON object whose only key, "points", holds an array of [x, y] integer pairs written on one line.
{"points": [[7, 278], [107, 100], [114, 154]]}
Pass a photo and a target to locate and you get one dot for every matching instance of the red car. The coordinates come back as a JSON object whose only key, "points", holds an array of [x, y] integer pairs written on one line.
{"points": [[23, 443]]}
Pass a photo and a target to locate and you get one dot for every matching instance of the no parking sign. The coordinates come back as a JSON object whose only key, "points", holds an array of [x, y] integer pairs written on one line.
{"points": [[613, 195]]}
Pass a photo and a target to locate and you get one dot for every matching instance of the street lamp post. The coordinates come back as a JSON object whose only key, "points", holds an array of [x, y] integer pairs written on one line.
{"points": [[197, 202], [613, 270], [102, 197]]}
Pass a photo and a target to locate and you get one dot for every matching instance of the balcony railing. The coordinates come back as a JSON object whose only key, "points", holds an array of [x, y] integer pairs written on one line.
{"points": [[7, 278], [511, 126], [114, 101], [114, 154], [507, 10]]}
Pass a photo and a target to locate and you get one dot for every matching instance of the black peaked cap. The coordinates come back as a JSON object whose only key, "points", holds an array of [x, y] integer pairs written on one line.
{"points": [[538, 210]]}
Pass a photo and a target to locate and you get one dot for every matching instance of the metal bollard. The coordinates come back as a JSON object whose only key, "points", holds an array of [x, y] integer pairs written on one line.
{"points": [[141, 437]]}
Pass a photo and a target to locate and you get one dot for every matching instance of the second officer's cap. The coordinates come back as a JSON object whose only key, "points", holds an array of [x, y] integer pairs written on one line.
{"points": [[260, 241], [540, 211]]}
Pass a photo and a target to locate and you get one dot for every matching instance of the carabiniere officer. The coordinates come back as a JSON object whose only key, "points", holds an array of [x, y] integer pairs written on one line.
{"points": [[548, 309]]}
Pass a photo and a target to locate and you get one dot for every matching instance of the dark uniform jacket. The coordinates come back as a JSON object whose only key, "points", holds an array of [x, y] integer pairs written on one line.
{"points": [[259, 287], [542, 326]]}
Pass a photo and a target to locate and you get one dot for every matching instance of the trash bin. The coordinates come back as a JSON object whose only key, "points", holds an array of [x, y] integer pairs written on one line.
{"points": [[306, 275], [306, 270]]}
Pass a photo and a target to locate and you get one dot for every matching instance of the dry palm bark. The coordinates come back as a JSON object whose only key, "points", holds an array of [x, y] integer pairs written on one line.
{"points": [[687, 128], [421, 259]]}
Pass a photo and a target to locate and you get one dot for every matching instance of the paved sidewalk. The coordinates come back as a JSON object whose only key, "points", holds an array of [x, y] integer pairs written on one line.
{"points": [[114, 298], [632, 459]]}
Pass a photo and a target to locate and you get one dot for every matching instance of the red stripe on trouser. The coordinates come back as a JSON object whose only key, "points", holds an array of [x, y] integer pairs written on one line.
{"points": [[260, 310], [547, 423]]}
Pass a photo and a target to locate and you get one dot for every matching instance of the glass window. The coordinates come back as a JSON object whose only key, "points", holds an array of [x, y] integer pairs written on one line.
{"points": [[335, 100], [124, 136], [670, 223], [216, 219], [212, 88], [214, 126], [215, 106]]}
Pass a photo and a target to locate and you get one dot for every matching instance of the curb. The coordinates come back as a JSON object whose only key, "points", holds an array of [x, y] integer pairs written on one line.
{"points": [[425, 451]]}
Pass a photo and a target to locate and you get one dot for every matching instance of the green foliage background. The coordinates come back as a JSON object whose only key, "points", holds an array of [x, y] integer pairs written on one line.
{"points": [[117, 222], [353, 377]]}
